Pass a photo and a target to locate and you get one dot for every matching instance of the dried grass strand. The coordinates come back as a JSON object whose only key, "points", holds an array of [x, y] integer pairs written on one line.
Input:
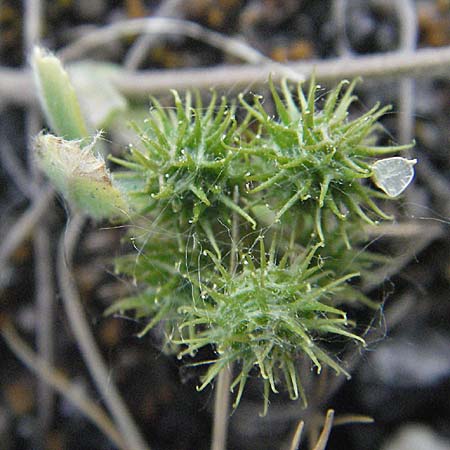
{"points": [[60, 383], [16, 85], [85, 339], [24, 226], [143, 44], [297, 435], [161, 25]]}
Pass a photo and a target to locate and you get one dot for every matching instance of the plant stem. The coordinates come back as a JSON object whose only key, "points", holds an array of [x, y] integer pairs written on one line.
{"points": [[221, 410], [86, 342], [323, 438], [423, 62], [171, 9], [60, 383], [222, 395], [24, 226], [159, 26], [297, 436], [16, 85]]}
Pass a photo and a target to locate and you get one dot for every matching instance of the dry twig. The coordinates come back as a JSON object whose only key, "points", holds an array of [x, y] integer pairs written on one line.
{"points": [[60, 383], [15, 170], [325, 434], [414, 247], [24, 226], [43, 264], [297, 436], [143, 44], [16, 85], [86, 342], [339, 15], [160, 25], [407, 16]]}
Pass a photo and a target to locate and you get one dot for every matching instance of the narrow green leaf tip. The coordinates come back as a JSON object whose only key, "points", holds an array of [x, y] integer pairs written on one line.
{"points": [[57, 96]]}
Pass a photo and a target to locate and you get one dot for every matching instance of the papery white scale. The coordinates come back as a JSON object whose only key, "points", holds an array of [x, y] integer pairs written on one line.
{"points": [[393, 175]]}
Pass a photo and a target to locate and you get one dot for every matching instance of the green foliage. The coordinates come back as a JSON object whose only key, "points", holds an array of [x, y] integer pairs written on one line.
{"points": [[208, 194], [267, 315], [69, 159], [216, 193], [57, 96], [185, 161], [317, 156], [80, 175]]}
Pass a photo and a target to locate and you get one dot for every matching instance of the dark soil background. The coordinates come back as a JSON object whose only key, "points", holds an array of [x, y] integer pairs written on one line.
{"points": [[402, 381]]}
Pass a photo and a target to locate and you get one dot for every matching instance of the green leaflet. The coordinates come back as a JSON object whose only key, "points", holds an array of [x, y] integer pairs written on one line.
{"points": [[57, 96]]}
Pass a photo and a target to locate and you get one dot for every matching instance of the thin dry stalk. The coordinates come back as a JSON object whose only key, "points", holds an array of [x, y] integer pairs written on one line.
{"points": [[438, 185], [222, 394], [32, 23], [85, 339], [45, 301], [348, 419], [221, 410], [144, 43], [24, 226], [410, 229], [413, 248], [17, 174], [324, 436], [43, 264], [339, 14], [406, 13], [60, 383], [16, 85], [297, 436], [159, 25], [422, 62]]}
